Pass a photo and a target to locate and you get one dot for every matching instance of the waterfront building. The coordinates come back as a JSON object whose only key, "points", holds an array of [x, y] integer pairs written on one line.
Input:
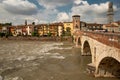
{"points": [[83, 26], [68, 25], [4, 29], [29, 29], [39, 29], [53, 29], [117, 23], [60, 30], [13, 30], [19, 30], [94, 26], [111, 27], [42, 29]]}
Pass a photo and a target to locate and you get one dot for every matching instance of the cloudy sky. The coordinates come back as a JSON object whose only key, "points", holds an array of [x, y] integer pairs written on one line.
{"points": [[48, 11]]}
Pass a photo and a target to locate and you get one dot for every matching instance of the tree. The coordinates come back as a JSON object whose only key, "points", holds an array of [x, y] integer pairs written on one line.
{"points": [[35, 34], [68, 31], [49, 34], [33, 23]]}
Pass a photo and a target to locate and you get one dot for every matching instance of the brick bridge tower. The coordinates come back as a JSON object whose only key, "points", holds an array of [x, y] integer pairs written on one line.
{"points": [[110, 12], [76, 26], [76, 22]]}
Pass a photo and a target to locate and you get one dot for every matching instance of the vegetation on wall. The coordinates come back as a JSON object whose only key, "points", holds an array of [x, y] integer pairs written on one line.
{"points": [[35, 34]]}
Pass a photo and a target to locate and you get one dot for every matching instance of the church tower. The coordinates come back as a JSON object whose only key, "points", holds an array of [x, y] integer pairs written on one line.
{"points": [[110, 12], [26, 22]]}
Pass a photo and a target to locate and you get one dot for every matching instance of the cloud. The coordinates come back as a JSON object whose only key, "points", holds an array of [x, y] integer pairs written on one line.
{"points": [[117, 14], [16, 11], [23, 7], [63, 16], [50, 4], [91, 13], [78, 1]]}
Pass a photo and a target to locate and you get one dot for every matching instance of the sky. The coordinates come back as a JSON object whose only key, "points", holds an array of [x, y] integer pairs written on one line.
{"points": [[50, 11]]}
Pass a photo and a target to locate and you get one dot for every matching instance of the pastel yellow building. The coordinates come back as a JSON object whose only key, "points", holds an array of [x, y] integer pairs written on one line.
{"points": [[54, 29], [68, 25]]}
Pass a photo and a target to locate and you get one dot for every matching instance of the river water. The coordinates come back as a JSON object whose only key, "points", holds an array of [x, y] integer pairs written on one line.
{"points": [[35, 60]]}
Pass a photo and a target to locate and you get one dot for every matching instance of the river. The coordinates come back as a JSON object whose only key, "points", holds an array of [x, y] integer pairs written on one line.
{"points": [[36, 60]]}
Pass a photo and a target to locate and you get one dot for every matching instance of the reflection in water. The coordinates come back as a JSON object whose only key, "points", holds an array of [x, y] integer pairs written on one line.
{"points": [[34, 60]]}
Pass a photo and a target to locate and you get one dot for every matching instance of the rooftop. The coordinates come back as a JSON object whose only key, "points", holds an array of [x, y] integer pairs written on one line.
{"points": [[110, 25], [76, 16]]}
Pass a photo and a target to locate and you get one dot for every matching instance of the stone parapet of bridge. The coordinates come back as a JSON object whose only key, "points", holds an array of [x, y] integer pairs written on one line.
{"points": [[110, 39]]}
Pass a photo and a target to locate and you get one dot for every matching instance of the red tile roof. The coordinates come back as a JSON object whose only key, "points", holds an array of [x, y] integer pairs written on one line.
{"points": [[118, 22], [110, 25], [93, 24], [76, 16]]}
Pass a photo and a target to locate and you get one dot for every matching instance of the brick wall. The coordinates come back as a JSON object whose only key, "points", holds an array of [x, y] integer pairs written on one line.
{"points": [[110, 39]]}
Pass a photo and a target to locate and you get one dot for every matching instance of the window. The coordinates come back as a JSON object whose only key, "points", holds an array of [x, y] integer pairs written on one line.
{"points": [[76, 26], [68, 24]]}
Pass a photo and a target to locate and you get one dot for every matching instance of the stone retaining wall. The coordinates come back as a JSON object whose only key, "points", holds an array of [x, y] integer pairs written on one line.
{"points": [[66, 38]]}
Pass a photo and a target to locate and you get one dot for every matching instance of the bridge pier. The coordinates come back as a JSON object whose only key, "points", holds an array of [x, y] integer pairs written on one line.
{"points": [[103, 73], [74, 39], [76, 44], [108, 74]]}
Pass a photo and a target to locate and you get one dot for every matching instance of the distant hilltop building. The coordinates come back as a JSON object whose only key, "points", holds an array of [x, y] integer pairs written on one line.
{"points": [[110, 12]]}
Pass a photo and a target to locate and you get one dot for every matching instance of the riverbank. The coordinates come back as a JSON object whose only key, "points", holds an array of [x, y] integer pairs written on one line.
{"points": [[66, 38]]}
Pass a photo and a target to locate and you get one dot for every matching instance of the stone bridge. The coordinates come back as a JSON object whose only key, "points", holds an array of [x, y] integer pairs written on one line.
{"points": [[104, 49]]}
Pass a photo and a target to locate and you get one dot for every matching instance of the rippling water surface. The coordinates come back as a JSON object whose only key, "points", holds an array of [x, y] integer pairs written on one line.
{"points": [[35, 60]]}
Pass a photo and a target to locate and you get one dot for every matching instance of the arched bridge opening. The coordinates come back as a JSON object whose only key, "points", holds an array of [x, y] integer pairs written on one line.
{"points": [[109, 67], [86, 48]]}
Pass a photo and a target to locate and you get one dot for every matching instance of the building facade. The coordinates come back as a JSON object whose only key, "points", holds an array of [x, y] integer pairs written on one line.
{"points": [[53, 29], [94, 26], [111, 27], [68, 25]]}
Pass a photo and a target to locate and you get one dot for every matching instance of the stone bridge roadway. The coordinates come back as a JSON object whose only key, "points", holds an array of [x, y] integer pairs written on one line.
{"points": [[104, 49]]}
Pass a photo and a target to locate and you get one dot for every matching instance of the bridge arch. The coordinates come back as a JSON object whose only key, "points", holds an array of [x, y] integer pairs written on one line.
{"points": [[109, 67], [86, 48]]}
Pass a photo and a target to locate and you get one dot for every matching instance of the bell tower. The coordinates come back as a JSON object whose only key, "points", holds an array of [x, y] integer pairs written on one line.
{"points": [[110, 12], [26, 22]]}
